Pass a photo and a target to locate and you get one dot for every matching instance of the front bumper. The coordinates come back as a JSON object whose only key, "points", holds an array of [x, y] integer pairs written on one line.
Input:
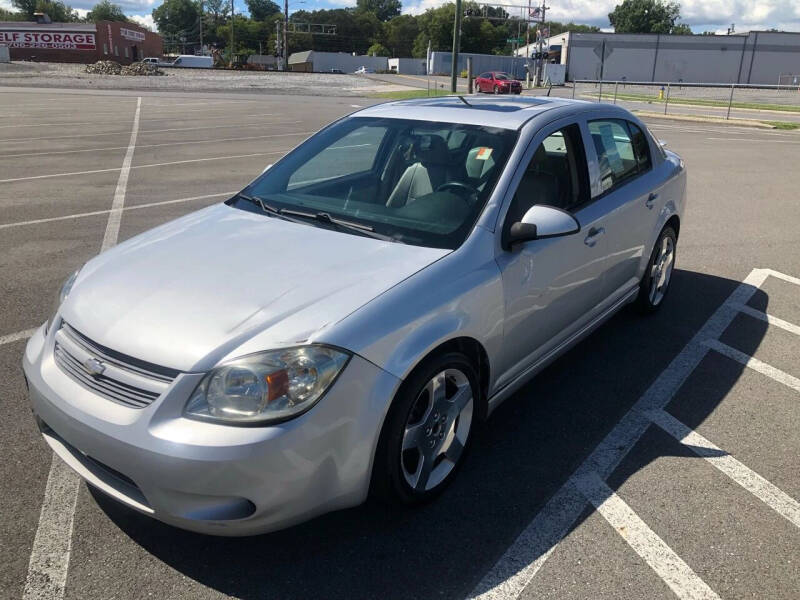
{"points": [[213, 478]]}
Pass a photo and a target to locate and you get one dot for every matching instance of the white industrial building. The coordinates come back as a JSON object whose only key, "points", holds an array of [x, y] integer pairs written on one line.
{"points": [[757, 57], [440, 63], [407, 66], [325, 62]]}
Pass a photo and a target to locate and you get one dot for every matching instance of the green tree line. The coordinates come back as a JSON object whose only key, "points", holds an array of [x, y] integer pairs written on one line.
{"points": [[372, 26], [61, 12]]}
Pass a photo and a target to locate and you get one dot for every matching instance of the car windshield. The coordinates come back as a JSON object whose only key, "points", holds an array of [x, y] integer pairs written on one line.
{"points": [[415, 182], [501, 76]]}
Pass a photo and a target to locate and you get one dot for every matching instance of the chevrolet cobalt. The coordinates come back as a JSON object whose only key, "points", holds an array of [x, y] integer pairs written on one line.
{"points": [[341, 325]]}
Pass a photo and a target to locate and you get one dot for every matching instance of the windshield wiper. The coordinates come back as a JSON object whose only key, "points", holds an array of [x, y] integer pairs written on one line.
{"points": [[323, 217], [267, 208]]}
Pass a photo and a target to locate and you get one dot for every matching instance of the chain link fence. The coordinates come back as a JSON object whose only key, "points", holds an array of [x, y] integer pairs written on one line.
{"points": [[780, 103]]}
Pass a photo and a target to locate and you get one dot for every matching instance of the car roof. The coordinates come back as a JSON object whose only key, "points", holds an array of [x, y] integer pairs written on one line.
{"points": [[506, 113]]}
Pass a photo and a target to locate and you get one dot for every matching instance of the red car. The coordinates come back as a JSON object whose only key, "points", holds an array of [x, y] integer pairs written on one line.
{"points": [[498, 83]]}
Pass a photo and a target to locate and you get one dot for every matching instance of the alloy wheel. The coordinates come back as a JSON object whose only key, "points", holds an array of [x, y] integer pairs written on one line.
{"points": [[661, 271], [436, 430]]}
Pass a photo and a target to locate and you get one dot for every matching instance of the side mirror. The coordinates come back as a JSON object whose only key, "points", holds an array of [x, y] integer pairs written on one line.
{"points": [[266, 168], [541, 222]]}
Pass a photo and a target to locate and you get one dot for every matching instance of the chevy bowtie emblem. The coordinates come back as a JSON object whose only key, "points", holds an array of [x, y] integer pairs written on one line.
{"points": [[94, 366]]}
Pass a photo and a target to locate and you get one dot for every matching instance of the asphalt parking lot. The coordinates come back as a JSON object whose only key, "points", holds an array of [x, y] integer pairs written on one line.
{"points": [[656, 459]]}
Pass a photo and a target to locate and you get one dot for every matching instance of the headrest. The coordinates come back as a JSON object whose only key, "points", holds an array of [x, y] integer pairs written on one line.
{"points": [[431, 149]]}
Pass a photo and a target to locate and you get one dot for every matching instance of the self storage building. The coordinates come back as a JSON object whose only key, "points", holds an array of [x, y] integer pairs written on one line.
{"points": [[79, 42]]}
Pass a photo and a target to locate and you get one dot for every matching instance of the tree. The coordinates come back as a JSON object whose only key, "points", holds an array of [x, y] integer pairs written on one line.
{"points": [[378, 49], [217, 9], [7, 15], [383, 9], [55, 9], [106, 11], [399, 35], [260, 10], [682, 29], [177, 18], [644, 16]]}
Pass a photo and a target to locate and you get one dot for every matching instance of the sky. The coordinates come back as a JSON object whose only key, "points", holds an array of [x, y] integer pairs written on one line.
{"points": [[700, 15]]}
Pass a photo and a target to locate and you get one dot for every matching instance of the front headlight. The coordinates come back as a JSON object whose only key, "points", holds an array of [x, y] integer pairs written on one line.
{"points": [[268, 387], [66, 288]]}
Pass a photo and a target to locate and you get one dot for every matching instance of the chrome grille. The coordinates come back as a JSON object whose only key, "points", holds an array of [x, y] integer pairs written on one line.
{"points": [[122, 379]]}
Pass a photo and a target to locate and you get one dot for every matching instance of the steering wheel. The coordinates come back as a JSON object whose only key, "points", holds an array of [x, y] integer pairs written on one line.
{"points": [[461, 187]]}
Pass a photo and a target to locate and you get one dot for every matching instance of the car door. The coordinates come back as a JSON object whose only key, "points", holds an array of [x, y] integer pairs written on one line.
{"points": [[628, 187], [552, 287]]}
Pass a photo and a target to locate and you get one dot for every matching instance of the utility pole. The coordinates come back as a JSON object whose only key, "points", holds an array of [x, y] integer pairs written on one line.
{"points": [[285, 35], [233, 18], [201, 26], [528, 47], [456, 46], [278, 50], [540, 60]]}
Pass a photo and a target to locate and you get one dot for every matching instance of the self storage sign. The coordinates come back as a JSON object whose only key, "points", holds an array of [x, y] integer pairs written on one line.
{"points": [[65, 40]]}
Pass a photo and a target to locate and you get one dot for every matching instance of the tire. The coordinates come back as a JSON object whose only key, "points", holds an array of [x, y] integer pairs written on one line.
{"points": [[659, 269], [436, 430], [496, 89]]}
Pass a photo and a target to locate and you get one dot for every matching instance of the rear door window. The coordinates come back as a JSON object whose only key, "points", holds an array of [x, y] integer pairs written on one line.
{"points": [[615, 155], [640, 147]]}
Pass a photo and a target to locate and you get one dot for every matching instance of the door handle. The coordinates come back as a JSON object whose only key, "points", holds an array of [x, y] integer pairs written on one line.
{"points": [[651, 199], [591, 239]]}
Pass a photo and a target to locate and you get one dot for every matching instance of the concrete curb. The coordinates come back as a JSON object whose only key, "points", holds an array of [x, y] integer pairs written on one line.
{"points": [[697, 119]]}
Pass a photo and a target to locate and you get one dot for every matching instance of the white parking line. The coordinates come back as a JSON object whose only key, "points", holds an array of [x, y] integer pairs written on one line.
{"points": [[769, 494], [783, 276], [523, 559], [52, 545], [755, 364], [208, 141], [49, 561], [71, 123], [95, 213], [15, 337], [772, 320], [115, 216], [751, 139], [662, 559], [143, 131], [164, 164]]}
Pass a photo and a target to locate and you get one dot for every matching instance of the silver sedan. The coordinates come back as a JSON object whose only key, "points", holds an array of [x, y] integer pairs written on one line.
{"points": [[340, 326]]}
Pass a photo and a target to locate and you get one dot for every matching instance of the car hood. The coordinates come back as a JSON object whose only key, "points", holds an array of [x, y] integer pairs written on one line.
{"points": [[189, 293]]}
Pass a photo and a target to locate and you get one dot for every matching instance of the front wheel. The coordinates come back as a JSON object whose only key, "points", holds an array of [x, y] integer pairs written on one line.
{"points": [[496, 89], [655, 282], [427, 430]]}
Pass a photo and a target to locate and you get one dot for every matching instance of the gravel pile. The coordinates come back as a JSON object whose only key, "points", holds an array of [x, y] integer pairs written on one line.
{"points": [[109, 67], [142, 68], [73, 75]]}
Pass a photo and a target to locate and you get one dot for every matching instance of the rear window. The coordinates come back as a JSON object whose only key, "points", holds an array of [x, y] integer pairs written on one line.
{"points": [[615, 155]]}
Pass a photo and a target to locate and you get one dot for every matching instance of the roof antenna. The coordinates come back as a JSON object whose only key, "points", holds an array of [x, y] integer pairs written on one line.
{"points": [[550, 88], [464, 100]]}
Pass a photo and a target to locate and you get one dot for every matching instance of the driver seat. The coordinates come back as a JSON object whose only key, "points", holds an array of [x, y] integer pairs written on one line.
{"points": [[422, 177]]}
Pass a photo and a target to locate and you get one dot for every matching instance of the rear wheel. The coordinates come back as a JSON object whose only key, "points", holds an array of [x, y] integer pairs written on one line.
{"points": [[427, 430], [655, 282]]}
